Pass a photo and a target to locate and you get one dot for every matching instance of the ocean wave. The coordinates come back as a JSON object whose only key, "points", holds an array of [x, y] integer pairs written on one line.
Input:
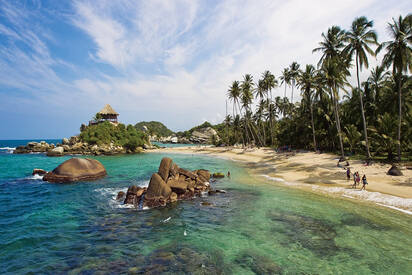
{"points": [[379, 198], [34, 177], [397, 203], [9, 150]]}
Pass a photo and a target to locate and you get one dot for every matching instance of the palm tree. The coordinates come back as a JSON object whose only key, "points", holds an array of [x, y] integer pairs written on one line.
{"points": [[377, 81], [333, 68], [359, 37], [306, 81], [234, 95], [285, 78], [399, 55], [293, 74], [246, 98], [261, 92], [270, 83], [331, 45]]}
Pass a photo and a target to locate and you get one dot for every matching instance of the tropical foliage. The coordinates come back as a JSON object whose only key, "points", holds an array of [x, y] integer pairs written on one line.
{"points": [[154, 128], [371, 118], [108, 133]]}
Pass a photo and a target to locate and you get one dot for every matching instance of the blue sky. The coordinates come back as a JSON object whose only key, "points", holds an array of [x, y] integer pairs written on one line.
{"points": [[171, 61]]}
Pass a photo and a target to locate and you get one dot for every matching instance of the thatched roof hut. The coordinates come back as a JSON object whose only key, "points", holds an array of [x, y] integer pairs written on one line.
{"points": [[108, 110]]}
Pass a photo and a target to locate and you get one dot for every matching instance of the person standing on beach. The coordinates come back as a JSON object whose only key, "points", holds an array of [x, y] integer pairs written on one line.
{"points": [[348, 173], [354, 180], [364, 183], [357, 178]]}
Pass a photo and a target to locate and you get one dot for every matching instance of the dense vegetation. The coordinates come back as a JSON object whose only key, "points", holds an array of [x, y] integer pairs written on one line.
{"points": [[154, 128], [187, 134], [371, 118], [106, 133]]}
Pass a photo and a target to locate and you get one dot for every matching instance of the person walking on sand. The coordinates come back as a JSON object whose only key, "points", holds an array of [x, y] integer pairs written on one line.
{"points": [[354, 180], [364, 183], [348, 173], [357, 178]]}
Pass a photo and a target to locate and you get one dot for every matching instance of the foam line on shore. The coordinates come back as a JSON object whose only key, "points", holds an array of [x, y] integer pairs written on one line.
{"points": [[393, 202]]}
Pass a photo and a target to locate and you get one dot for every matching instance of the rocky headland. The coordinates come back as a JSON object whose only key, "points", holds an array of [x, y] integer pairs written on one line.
{"points": [[74, 146]]}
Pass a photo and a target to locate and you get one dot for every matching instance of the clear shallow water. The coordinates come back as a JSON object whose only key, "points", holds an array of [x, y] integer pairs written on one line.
{"points": [[256, 228]]}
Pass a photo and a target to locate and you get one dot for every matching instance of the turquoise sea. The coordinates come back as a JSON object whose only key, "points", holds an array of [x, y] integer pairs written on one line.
{"points": [[257, 227]]}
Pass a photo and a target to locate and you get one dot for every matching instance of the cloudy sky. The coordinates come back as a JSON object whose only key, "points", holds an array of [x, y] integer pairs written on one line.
{"points": [[171, 61]]}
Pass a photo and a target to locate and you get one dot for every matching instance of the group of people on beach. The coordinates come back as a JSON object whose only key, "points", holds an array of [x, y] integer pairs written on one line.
{"points": [[356, 179]]}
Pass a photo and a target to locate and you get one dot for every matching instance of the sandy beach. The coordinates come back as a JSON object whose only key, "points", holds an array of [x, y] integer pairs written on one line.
{"points": [[317, 172]]}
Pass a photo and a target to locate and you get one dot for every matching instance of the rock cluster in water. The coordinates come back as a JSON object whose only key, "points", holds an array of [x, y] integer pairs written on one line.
{"points": [[75, 169], [169, 184], [74, 146]]}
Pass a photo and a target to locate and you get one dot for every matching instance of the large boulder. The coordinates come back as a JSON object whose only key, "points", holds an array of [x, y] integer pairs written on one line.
{"points": [[164, 168], [76, 169], [204, 135], [394, 171], [203, 174], [133, 195], [157, 188], [56, 152], [179, 186]]}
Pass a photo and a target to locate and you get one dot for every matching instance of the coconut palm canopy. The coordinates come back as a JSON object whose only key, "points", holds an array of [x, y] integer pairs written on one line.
{"points": [[108, 110]]}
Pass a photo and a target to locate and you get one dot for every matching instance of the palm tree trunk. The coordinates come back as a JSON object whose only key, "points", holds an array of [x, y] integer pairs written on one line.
{"points": [[293, 84], [365, 132], [313, 127], [337, 119], [400, 116]]}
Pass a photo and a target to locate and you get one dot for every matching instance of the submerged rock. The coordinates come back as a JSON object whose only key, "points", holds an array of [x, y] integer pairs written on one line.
{"points": [[218, 175], [76, 169], [39, 172]]}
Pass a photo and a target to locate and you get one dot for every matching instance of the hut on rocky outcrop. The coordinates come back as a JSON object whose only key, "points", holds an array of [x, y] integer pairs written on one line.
{"points": [[105, 114]]}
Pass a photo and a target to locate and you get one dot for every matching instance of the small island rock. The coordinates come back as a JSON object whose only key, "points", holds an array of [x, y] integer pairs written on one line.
{"points": [[76, 169]]}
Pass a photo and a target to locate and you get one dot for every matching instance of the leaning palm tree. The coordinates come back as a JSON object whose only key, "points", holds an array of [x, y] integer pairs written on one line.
{"points": [[333, 68], [293, 74], [306, 81], [359, 38], [399, 55]]}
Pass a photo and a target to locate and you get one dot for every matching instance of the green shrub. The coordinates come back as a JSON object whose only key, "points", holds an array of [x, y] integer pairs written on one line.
{"points": [[106, 133]]}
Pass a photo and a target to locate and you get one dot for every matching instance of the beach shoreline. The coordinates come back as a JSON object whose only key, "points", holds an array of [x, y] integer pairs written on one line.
{"points": [[316, 173]]}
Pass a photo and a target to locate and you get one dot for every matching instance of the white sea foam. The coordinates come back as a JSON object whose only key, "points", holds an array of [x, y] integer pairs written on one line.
{"points": [[376, 197], [166, 220], [273, 178], [397, 203], [111, 193], [35, 177], [396, 208], [8, 148]]}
